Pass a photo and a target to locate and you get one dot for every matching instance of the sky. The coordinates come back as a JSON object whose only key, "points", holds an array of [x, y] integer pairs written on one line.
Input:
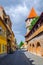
{"points": [[18, 11]]}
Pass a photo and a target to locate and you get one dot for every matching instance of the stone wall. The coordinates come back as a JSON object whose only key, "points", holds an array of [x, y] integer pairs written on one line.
{"points": [[36, 45]]}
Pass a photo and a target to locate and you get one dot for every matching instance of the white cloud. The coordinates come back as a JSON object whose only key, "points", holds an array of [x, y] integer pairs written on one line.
{"points": [[22, 10], [17, 32], [16, 12]]}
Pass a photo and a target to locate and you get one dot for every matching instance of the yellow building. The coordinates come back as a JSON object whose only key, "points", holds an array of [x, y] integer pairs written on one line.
{"points": [[6, 19], [3, 39], [13, 44], [7, 38], [9, 32]]}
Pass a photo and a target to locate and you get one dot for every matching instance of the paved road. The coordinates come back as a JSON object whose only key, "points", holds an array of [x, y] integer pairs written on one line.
{"points": [[18, 58], [21, 57]]}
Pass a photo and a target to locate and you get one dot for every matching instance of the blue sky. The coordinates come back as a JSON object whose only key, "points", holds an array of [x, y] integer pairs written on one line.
{"points": [[18, 11]]}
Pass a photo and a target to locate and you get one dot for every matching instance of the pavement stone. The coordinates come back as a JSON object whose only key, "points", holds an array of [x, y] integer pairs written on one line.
{"points": [[37, 59]]}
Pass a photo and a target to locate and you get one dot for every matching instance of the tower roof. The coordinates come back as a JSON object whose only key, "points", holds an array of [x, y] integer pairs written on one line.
{"points": [[32, 13]]}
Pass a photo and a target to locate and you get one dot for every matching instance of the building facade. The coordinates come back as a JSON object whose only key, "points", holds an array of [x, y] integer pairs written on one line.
{"points": [[3, 38], [34, 37], [6, 35]]}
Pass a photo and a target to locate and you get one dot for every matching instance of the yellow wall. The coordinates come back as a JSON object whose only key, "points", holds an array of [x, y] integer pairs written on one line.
{"points": [[3, 40], [3, 44]]}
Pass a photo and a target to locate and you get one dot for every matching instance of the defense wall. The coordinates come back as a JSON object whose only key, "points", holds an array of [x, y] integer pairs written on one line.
{"points": [[36, 45]]}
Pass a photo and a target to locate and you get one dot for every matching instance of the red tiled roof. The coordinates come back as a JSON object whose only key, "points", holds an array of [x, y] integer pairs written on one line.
{"points": [[32, 13]]}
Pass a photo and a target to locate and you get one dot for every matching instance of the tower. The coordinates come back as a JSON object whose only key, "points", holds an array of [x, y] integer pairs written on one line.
{"points": [[30, 17]]}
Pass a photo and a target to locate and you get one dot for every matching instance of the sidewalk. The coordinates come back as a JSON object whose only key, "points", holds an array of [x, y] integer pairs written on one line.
{"points": [[37, 59], [2, 55]]}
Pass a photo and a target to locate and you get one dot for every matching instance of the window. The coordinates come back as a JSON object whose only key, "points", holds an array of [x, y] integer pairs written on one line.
{"points": [[3, 33], [0, 30], [3, 47], [0, 47], [5, 20], [30, 44], [38, 44], [33, 45]]}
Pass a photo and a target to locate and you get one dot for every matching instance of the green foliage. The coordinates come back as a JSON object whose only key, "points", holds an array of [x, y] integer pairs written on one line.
{"points": [[21, 43], [33, 23]]}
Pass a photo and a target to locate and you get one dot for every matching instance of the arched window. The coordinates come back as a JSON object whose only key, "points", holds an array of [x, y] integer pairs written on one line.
{"points": [[38, 44], [33, 45], [30, 44]]}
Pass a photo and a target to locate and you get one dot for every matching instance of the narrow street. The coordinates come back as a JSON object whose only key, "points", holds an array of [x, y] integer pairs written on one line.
{"points": [[20, 57]]}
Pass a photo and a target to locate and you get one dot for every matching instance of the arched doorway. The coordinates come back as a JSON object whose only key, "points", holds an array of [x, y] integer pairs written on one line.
{"points": [[38, 48]]}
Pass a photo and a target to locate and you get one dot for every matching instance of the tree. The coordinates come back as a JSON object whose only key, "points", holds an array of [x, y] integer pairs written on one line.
{"points": [[33, 22], [21, 43]]}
